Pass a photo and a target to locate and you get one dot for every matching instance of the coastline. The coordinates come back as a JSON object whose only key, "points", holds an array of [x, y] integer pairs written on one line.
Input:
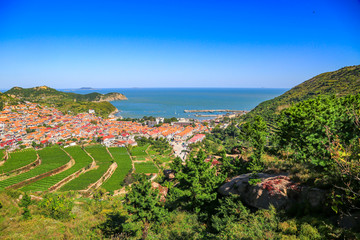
{"points": [[113, 113]]}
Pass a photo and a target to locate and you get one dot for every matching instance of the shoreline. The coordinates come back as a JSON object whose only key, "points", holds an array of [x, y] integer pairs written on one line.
{"points": [[113, 113]]}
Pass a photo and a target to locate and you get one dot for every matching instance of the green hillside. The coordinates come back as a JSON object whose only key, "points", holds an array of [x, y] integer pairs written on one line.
{"points": [[341, 82], [5, 99], [46, 93], [68, 102]]}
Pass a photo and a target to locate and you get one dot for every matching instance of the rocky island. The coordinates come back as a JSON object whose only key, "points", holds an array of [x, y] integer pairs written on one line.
{"points": [[113, 96]]}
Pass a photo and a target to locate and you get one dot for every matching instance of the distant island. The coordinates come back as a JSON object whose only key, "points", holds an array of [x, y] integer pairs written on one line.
{"points": [[87, 88]]}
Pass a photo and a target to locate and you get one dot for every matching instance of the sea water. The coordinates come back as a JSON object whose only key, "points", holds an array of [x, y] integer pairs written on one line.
{"points": [[171, 102]]}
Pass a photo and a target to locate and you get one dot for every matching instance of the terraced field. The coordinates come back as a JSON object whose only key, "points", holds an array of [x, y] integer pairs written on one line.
{"points": [[2, 154], [103, 160], [145, 167], [139, 151], [162, 159], [18, 159], [51, 158], [82, 160], [123, 161]]}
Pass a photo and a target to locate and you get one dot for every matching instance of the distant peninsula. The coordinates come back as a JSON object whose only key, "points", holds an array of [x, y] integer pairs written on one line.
{"points": [[68, 102]]}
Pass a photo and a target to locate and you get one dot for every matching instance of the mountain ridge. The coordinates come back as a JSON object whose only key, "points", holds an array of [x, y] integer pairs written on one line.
{"points": [[341, 82]]}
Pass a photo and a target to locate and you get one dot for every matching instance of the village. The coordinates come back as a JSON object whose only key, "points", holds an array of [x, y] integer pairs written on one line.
{"points": [[33, 125]]}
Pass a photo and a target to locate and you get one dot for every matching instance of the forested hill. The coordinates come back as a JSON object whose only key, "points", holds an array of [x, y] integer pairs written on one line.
{"points": [[45, 93], [5, 99], [68, 102], [341, 82]]}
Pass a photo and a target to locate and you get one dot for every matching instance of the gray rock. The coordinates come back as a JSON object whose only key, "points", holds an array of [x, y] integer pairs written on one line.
{"points": [[274, 189], [350, 221]]}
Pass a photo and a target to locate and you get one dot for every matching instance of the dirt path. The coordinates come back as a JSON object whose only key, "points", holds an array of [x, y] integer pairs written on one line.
{"points": [[64, 181], [102, 179], [109, 153]]}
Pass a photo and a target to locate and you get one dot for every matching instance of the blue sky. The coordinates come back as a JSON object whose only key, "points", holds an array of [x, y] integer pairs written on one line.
{"points": [[254, 43]]}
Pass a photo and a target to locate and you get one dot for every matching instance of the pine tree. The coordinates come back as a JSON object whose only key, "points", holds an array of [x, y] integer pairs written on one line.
{"points": [[25, 203], [143, 204], [197, 183]]}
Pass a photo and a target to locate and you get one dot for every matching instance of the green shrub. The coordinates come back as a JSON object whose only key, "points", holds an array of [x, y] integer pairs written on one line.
{"points": [[308, 232], [13, 193], [25, 203], [56, 206], [288, 227]]}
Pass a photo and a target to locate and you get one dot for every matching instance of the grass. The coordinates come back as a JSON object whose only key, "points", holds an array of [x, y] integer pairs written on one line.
{"points": [[146, 167], [139, 151], [103, 160], [123, 161], [81, 160], [2, 154], [82, 226], [152, 152], [51, 158], [162, 159], [18, 159]]}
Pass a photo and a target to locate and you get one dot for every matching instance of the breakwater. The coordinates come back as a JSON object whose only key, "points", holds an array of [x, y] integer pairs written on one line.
{"points": [[216, 110], [208, 115]]}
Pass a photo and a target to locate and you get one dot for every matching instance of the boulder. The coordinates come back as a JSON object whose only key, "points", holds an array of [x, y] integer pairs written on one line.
{"points": [[169, 174], [271, 189], [351, 221], [162, 190]]}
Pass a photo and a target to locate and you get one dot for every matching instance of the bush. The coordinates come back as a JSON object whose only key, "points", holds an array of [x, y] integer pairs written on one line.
{"points": [[288, 227], [25, 203], [13, 193], [308, 232], [56, 206]]}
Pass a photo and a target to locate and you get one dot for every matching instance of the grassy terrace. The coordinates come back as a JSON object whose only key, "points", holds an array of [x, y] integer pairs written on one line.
{"points": [[139, 151], [146, 167], [123, 161], [81, 160], [18, 159], [52, 158], [2, 154], [103, 160]]}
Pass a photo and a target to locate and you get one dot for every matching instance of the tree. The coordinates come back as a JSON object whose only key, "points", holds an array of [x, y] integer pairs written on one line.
{"points": [[231, 166], [230, 209], [346, 174], [255, 133], [143, 205], [197, 183], [25, 203], [303, 127]]}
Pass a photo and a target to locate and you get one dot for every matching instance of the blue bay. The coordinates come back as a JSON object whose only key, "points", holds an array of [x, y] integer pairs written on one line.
{"points": [[171, 102]]}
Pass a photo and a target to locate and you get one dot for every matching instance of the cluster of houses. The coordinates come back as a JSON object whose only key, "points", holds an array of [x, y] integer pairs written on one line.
{"points": [[29, 123]]}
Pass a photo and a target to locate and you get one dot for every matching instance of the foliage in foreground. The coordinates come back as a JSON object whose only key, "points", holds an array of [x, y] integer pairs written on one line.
{"points": [[308, 127]]}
